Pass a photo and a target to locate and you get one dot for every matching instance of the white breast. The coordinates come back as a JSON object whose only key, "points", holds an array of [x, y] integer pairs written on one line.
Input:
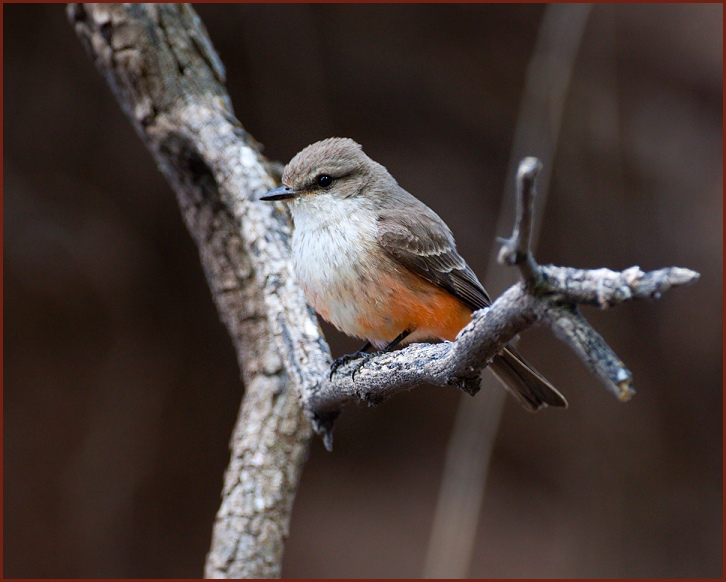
{"points": [[331, 245]]}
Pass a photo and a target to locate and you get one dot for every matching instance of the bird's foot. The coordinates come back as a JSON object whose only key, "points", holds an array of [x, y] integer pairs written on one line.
{"points": [[347, 358]]}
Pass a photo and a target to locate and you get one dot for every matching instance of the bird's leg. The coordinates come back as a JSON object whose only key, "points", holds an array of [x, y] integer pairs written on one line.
{"points": [[338, 362], [399, 338]]}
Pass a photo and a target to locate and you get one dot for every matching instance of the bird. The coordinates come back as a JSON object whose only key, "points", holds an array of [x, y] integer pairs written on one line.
{"points": [[380, 265]]}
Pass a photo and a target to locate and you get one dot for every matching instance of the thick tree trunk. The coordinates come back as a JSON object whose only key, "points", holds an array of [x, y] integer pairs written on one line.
{"points": [[165, 74]]}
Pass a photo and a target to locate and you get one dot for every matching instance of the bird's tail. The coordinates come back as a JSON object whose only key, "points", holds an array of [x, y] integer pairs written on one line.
{"points": [[529, 386]]}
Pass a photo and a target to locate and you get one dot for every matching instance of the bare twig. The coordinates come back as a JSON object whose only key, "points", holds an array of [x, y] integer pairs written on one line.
{"points": [[517, 250]]}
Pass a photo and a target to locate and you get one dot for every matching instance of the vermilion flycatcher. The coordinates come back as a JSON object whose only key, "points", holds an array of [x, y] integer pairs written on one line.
{"points": [[380, 265]]}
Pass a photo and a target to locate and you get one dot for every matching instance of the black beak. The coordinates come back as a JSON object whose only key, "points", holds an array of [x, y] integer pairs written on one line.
{"points": [[281, 193]]}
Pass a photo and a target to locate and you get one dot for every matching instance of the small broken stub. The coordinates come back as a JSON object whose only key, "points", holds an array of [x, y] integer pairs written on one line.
{"points": [[624, 384]]}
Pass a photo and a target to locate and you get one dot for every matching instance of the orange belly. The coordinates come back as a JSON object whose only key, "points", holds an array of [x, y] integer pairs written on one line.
{"points": [[412, 303]]}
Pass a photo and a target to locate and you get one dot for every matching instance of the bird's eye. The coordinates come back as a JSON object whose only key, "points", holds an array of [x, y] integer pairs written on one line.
{"points": [[324, 181]]}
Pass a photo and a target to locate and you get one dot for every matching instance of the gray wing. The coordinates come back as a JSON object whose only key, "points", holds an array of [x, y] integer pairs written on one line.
{"points": [[413, 235]]}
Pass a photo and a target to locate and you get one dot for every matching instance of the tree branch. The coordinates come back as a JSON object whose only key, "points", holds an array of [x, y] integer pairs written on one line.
{"points": [[162, 68]]}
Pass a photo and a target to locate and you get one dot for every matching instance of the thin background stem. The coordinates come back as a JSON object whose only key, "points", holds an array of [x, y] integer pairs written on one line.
{"points": [[472, 439]]}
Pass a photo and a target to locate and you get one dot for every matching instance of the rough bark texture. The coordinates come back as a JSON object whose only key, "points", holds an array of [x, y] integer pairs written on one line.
{"points": [[160, 65], [162, 68]]}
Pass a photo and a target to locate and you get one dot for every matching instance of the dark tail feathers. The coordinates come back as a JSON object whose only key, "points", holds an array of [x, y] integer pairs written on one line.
{"points": [[529, 386]]}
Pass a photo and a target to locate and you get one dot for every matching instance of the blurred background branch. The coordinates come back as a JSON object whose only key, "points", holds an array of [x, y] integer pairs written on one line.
{"points": [[468, 454]]}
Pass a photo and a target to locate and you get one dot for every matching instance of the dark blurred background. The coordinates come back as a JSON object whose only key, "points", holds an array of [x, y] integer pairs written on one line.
{"points": [[120, 383]]}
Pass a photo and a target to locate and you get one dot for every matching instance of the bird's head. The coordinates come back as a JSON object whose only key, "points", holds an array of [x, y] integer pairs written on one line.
{"points": [[335, 167]]}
